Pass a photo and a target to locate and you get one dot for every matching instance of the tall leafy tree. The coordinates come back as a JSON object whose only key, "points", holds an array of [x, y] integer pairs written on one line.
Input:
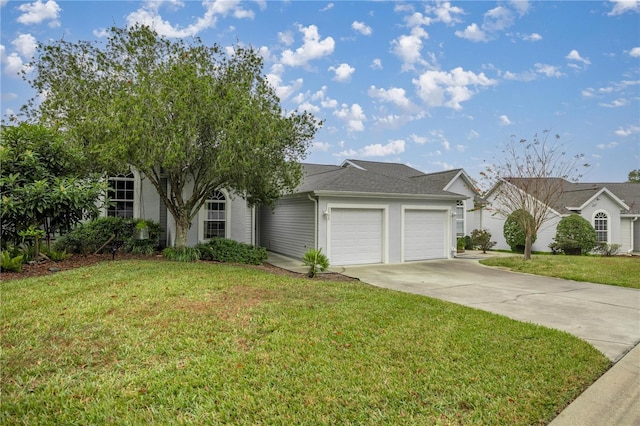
{"points": [[634, 176], [198, 116], [43, 183], [531, 176]]}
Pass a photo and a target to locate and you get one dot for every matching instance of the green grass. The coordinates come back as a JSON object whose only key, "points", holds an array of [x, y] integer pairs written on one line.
{"points": [[612, 270], [149, 342]]}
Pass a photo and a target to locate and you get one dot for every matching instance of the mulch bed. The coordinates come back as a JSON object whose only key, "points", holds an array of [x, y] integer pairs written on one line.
{"points": [[79, 261]]}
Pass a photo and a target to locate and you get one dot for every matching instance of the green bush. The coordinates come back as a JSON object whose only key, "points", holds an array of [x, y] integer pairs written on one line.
{"points": [[316, 261], [225, 250], [92, 236], [460, 243], [468, 244], [605, 249], [10, 263], [57, 255], [575, 235], [182, 254], [513, 230], [481, 238]]}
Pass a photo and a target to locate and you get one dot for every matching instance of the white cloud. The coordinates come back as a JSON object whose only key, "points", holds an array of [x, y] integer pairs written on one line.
{"points": [[450, 89], [376, 150], [343, 72], [608, 145], [472, 33], [444, 165], [353, 116], [283, 91], [498, 19], [286, 38], [445, 13], [362, 28], [473, 135], [420, 140], [329, 6], [548, 70], [312, 48], [37, 12], [621, 7], [394, 95], [321, 146], [635, 52], [574, 55], [532, 37], [523, 76], [149, 14], [101, 32], [376, 64], [504, 120], [325, 102], [26, 45], [306, 106], [615, 103], [521, 6], [628, 131], [409, 47]]}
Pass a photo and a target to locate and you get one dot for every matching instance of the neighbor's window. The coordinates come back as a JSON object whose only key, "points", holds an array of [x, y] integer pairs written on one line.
{"points": [[215, 217], [601, 225], [121, 195], [460, 218]]}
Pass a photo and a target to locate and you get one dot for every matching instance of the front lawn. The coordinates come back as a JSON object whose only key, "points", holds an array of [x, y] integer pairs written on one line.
{"points": [[613, 270], [137, 342]]}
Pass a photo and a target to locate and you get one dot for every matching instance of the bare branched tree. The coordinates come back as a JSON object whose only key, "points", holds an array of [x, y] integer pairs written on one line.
{"points": [[532, 176]]}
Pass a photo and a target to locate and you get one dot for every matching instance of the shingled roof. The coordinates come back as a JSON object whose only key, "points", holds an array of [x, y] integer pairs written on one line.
{"points": [[575, 195], [375, 178]]}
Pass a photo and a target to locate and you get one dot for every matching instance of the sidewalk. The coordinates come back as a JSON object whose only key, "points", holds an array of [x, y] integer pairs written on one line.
{"points": [[614, 399]]}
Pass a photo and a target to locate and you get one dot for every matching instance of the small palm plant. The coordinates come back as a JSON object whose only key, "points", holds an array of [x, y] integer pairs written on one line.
{"points": [[316, 261]]}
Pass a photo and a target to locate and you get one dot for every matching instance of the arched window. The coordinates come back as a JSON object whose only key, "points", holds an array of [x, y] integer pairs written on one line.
{"points": [[601, 225], [215, 216]]}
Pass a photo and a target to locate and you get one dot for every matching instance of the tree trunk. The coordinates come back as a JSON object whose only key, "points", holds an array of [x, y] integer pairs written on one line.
{"points": [[182, 228], [527, 245]]}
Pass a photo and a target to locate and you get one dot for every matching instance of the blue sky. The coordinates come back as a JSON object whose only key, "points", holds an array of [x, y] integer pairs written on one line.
{"points": [[435, 85]]}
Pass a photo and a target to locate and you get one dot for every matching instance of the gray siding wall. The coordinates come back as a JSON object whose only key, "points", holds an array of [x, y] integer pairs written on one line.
{"points": [[636, 236], [289, 227]]}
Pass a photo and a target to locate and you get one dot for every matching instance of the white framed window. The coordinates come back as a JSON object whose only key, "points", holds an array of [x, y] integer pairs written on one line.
{"points": [[460, 218], [121, 196], [601, 225], [215, 216]]}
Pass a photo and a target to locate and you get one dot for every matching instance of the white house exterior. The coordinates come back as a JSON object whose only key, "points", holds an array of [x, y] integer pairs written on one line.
{"points": [[368, 212], [612, 209]]}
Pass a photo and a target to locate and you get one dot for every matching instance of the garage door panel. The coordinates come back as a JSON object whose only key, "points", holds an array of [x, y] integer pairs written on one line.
{"points": [[424, 234], [356, 236]]}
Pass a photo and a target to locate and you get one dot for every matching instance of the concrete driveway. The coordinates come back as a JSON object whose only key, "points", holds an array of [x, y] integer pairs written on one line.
{"points": [[608, 317]]}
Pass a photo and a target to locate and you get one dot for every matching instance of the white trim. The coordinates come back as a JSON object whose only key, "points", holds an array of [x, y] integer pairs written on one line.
{"points": [[350, 163], [593, 223], [385, 224], [323, 193], [447, 235], [227, 216]]}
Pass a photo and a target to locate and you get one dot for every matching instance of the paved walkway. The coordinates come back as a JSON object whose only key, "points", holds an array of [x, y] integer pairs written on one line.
{"points": [[606, 316]]}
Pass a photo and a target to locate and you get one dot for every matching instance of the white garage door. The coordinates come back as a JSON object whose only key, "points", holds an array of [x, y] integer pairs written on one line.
{"points": [[424, 234], [356, 236]]}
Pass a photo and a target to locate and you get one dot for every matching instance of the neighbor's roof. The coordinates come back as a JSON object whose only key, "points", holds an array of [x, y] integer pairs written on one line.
{"points": [[368, 177], [576, 195]]}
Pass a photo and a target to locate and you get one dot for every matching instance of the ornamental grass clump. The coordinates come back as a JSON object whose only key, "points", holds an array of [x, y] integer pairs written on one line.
{"points": [[316, 261]]}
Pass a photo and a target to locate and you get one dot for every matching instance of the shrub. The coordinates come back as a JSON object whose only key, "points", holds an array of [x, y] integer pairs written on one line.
{"points": [[482, 239], [92, 236], [226, 250], [57, 255], [10, 263], [182, 254], [513, 230], [460, 243], [575, 235], [316, 261], [468, 244], [607, 249]]}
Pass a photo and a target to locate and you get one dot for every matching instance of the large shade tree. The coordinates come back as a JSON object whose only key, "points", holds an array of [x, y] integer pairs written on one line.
{"points": [[531, 176], [191, 118]]}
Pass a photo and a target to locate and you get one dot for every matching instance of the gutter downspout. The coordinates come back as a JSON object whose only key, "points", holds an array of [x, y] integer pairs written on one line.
{"points": [[632, 249], [315, 222]]}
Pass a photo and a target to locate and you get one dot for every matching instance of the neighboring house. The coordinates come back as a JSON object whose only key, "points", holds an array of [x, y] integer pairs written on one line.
{"points": [[612, 208], [364, 212]]}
